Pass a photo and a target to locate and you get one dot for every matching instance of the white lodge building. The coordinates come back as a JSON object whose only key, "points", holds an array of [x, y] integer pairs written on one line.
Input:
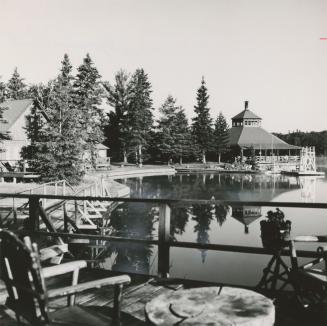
{"points": [[14, 122]]}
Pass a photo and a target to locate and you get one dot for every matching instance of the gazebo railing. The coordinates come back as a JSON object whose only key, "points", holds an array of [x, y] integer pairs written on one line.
{"points": [[278, 159]]}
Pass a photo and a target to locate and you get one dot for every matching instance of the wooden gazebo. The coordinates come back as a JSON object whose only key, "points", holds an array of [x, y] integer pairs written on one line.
{"points": [[247, 135]]}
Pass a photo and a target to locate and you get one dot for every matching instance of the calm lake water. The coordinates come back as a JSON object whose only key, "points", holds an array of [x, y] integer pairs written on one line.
{"points": [[211, 224]]}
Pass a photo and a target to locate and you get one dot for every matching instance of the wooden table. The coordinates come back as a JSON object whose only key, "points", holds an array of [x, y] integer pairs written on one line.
{"points": [[211, 306]]}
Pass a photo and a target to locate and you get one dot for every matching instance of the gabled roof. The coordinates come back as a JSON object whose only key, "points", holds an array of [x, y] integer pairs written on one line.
{"points": [[257, 138], [101, 146], [246, 114], [13, 110]]}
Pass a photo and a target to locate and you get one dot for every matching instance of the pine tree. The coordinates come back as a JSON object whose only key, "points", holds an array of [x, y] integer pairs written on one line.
{"points": [[87, 98], [35, 120], [139, 117], [183, 141], [2, 92], [173, 134], [166, 128], [16, 89], [202, 122], [116, 131], [3, 135], [221, 135], [57, 144]]}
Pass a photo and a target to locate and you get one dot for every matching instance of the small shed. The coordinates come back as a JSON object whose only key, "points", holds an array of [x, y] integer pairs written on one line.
{"points": [[102, 150]]}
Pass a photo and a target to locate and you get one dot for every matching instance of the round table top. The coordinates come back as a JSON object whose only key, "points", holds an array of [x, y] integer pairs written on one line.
{"points": [[211, 306]]}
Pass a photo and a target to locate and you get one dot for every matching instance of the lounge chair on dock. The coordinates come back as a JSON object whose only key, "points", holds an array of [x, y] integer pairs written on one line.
{"points": [[28, 296]]}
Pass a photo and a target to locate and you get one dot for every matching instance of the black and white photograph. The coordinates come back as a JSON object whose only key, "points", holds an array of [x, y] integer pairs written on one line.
{"points": [[163, 162]]}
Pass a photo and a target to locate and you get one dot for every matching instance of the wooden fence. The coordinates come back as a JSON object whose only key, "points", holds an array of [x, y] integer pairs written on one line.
{"points": [[164, 241]]}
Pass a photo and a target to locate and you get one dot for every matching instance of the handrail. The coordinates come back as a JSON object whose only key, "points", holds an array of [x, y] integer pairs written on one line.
{"points": [[42, 185], [170, 201], [179, 244], [164, 241]]}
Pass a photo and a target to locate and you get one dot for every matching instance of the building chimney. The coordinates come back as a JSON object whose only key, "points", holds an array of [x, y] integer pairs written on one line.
{"points": [[246, 104]]}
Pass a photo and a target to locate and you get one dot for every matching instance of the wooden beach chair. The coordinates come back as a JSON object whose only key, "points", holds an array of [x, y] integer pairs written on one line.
{"points": [[310, 279], [27, 293]]}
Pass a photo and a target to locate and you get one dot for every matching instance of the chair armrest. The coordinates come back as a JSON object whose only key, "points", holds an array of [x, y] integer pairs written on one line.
{"points": [[304, 238], [308, 238], [69, 290], [63, 268], [53, 251]]}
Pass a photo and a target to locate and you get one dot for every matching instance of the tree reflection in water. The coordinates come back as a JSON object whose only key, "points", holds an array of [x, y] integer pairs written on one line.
{"points": [[135, 221], [178, 220], [203, 215]]}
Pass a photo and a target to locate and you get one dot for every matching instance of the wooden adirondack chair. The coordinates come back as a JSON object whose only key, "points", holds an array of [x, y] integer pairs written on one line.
{"points": [[310, 279], [28, 296]]}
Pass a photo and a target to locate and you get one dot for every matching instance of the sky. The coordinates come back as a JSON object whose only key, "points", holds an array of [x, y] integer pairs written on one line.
{"points": [[268, 52]]}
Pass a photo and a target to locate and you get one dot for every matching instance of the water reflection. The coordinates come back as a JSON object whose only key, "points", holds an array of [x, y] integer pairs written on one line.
{"points": [[246, 215], [238, 225], [179, 218]]}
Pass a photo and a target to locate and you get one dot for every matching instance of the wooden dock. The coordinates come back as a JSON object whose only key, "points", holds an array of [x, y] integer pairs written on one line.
{"points": [[304, 173], [203, 170], [142, 290]]}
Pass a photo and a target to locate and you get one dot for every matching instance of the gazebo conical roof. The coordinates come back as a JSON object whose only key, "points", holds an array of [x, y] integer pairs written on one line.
{"points": [[257, 138], [247, 133], [246, 114]]}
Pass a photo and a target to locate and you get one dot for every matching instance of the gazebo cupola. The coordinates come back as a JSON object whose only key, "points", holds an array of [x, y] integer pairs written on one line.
{"points": [[246, 118]]}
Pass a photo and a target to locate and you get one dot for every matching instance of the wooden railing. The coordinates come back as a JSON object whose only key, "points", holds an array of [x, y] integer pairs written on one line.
{"points": [[49, 188], [278, 159], [164, 241]]}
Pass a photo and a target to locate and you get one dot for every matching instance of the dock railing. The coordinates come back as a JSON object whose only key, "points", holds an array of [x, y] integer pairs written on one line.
{"points": [[164, 240], [278, 159]]}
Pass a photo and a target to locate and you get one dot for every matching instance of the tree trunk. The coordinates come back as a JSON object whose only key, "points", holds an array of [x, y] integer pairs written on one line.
{"points": [[204, 158], [140, 156]]}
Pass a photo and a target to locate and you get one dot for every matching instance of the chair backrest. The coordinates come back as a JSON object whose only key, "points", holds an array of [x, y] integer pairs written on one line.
{"points": [[21, 272]]}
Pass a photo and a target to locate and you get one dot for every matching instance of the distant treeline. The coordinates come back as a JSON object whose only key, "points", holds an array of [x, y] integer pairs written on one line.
{"points": [[313, 138]]}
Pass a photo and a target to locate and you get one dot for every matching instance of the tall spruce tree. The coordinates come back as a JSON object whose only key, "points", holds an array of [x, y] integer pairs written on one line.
{"points": [[16, 89], [58, 138], [116, 132], [173, 133], [87, 98], [2, 92], [139, 116], [202, 122], [3, 135], [35, 120], [221, 135]]}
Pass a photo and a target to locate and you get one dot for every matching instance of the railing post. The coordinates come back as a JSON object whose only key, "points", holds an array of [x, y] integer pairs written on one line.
{"points": [[44, 193], [76, 209], [34, 213], [65, 218], [56, 188], [164, 237], [64, 187], [84, 202]]}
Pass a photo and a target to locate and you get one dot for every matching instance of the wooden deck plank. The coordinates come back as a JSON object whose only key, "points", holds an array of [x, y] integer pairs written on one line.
{"points": [[142, 290]]}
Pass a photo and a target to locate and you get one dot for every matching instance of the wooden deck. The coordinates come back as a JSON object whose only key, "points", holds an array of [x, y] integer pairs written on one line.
{"points": [[143, 289]]}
